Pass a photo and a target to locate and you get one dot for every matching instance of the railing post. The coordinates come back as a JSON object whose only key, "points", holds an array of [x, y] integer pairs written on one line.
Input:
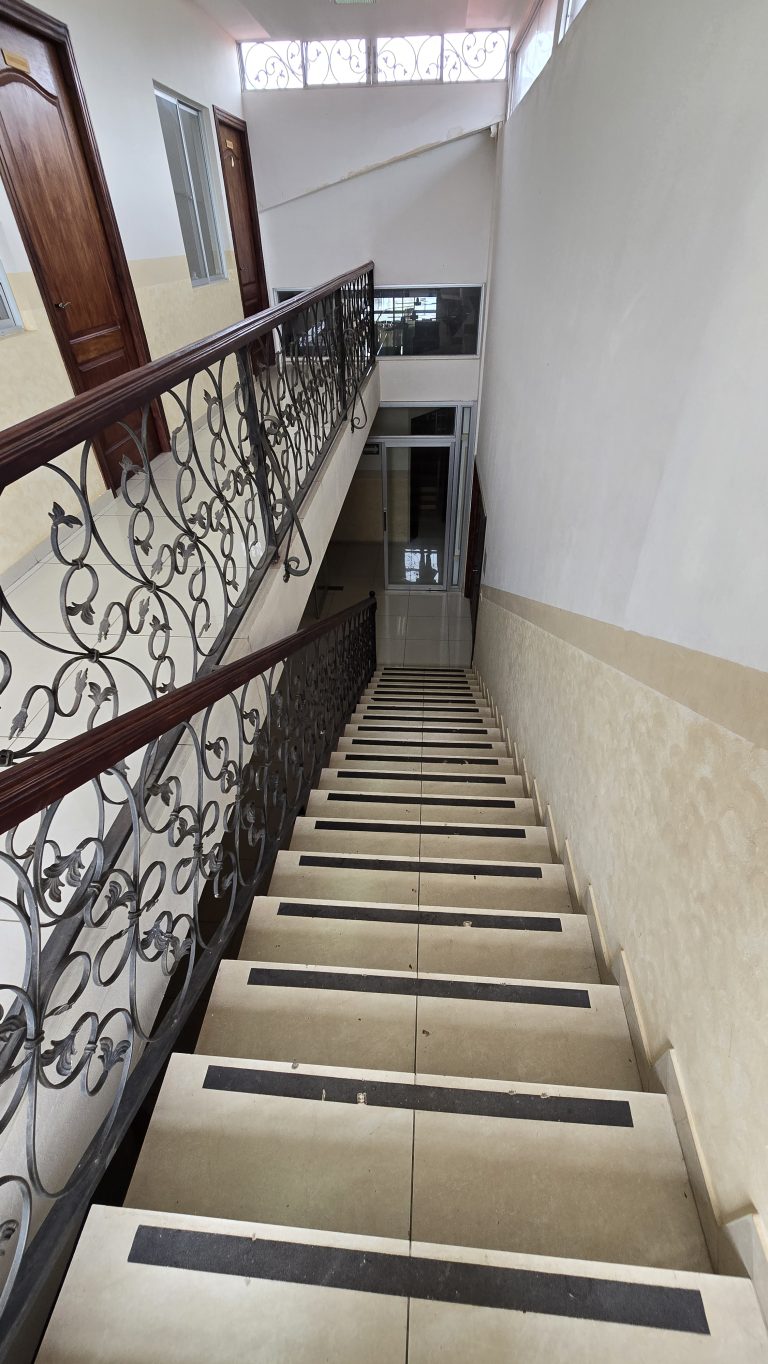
{"points": [[341, 349], [373, 340], [256, 439]]}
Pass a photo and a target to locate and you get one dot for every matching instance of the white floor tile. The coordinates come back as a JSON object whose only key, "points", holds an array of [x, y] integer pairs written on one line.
{"points": [[432, 652], [427, 627]]}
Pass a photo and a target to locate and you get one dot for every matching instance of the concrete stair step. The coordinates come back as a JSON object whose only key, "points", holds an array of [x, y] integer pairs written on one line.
{"points": [[472, 810], [481, 764], [416, 741], [501, 843], [433, 783], [466, 883], [146, 1286], [492, 1028], [414, 730], [469, 722], [396, 937], [584, 1173]]}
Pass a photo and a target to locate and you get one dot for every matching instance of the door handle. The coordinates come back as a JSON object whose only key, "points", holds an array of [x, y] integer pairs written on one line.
{"points": [[64, 305], [385, 523]]}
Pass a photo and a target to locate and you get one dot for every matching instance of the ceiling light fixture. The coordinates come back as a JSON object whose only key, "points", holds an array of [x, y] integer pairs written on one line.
{"points": [[353, 2]]}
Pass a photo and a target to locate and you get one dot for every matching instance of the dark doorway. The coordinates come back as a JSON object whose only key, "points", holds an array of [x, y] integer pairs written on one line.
{"points": [[475, 551], [52, 172], [235, 155]]}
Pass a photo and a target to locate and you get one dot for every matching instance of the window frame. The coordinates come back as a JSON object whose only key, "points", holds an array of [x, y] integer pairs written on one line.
{"points": [[179, 103], [12, 325], [371, 78]]}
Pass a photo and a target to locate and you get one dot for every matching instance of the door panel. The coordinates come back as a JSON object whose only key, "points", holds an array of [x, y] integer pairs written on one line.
{"points": [[243, 214], [48, 179], [416, 485]]}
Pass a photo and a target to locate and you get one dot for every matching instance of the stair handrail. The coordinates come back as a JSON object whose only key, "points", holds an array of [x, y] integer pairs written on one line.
{"points": [[35, 441], [49, 776], [211, 452], [55, 1037]]}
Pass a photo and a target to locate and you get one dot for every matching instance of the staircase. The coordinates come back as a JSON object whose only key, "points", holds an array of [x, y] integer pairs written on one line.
{"points": [[414, 1127]]}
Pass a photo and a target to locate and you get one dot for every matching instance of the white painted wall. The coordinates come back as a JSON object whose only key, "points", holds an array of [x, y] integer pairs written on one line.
{"points": [[327, 135], [623, 426], [121, 50], [331, 196]]}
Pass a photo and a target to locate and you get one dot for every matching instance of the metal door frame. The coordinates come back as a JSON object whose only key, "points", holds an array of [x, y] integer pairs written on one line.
{"points": [[421, 442]]}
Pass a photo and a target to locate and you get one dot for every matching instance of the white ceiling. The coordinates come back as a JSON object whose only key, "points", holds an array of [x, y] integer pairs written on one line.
{"points": [[251, 19]]}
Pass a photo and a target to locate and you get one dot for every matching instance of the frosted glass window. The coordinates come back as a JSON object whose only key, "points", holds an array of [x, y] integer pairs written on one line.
{"points": [[409, 59], [187, 161], [535, 49], [273, 66], [572, 8], [337, 61]]}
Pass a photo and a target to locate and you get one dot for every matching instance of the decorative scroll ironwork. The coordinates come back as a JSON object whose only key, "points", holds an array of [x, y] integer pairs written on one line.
{"points": [[82, 1036], [478, 55], [409, 59], [482, 55], [273, 66], [336, 61], [135, 597]]}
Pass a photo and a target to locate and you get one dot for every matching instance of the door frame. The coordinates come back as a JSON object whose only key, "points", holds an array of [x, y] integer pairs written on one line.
{"points": [[223, 119], [410, 443], [42, 25]]}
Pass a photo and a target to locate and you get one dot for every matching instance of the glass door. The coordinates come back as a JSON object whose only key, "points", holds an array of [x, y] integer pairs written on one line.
{"points": [[418, 478]]}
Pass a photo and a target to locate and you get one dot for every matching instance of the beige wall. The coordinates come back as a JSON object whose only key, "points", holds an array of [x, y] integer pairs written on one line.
{"points": [[666, 809], [360, 519]]}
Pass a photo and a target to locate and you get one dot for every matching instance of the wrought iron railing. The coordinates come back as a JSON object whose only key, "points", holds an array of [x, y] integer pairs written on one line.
{"points": [[139, 921], [210, 452]]}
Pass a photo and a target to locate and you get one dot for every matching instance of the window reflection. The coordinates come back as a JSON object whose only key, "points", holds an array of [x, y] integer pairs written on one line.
{"points": [[429, 321]]}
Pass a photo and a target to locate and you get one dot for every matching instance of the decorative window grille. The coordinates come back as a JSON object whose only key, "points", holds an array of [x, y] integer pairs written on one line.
{"points": [[479, 55]]}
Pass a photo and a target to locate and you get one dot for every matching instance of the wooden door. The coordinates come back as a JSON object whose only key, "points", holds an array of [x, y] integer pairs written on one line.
{"points": [[235, 155], [44, 161], [475, 551]]}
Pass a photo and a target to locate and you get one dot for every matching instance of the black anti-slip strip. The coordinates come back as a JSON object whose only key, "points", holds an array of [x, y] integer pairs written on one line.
{"points": [[426, 918], [446, 868], [408, 730], [404, 1276], [406, 758], [475, 1103], [415, 987], [452, 777], [467, 803], [424, 693], [416, 713], [361, 826], [408, 743], [406, 688]]}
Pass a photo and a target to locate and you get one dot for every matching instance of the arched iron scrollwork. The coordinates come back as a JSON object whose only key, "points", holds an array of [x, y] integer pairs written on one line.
{"points": [[135, 597], [201, 826]]}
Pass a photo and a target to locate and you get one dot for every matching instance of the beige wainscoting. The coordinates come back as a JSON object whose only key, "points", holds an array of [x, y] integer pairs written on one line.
{"points": [[655, 763], [34, 378]]}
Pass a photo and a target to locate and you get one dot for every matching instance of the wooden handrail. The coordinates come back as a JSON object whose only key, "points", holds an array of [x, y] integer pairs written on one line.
{"points": [[47, 777], [41, 438]]}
